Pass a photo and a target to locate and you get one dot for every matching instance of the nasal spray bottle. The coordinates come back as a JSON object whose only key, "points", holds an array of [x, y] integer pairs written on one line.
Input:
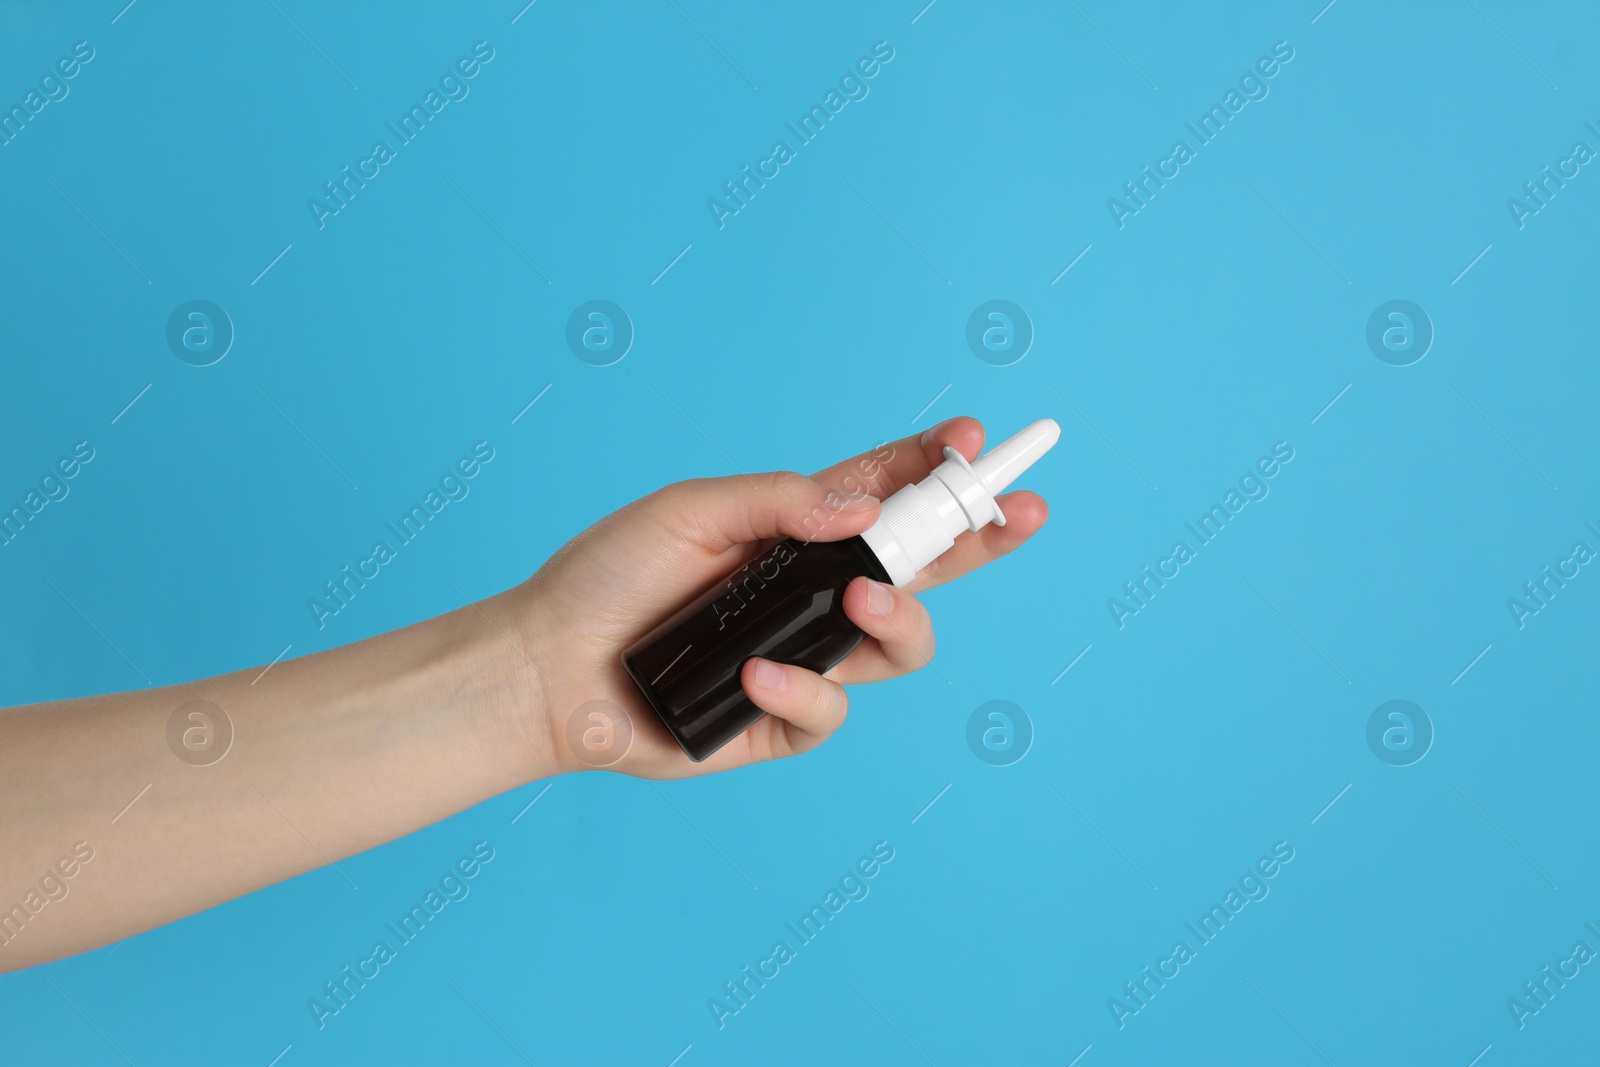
{"points": [[787, 604]]}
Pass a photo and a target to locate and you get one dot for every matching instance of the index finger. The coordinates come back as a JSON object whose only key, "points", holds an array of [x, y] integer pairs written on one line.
{"points": [[882, 470]]}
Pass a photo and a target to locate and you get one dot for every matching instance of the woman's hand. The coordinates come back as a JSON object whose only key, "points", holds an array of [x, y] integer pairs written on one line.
{"points": [[337, 752], [618, 579]]}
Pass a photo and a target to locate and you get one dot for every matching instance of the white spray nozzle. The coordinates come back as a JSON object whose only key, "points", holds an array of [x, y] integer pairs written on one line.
{"points": [[920, 522], [999, 467]]}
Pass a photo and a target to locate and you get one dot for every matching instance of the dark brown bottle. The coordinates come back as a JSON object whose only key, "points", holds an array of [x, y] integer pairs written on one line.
{"points": [[785, 605]]}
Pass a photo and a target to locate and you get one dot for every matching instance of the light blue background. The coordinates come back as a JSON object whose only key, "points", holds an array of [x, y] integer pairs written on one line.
{"points": [[1209, 728]]}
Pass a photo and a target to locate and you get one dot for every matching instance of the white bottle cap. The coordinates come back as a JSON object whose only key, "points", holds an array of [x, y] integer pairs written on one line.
{"points": [[920, 522]]}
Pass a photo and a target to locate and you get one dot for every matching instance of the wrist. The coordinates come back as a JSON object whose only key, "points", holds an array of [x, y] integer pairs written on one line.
{"points": [[569, 675], [499, 667]]}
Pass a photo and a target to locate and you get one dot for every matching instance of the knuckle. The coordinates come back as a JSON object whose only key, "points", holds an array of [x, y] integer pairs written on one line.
{"points": [[678, 494], [680, 506], [790, 483], [920, 643], [830, 703]]}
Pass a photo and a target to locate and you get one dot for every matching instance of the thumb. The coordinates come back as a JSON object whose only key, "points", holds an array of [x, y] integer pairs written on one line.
{"points": [[718, 513]]}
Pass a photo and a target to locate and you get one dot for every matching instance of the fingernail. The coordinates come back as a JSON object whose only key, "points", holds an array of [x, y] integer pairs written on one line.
{"points": [[879, 599], [768, 675], [849, 501]]}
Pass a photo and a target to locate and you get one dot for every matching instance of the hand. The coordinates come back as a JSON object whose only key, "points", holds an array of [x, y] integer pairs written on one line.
{"points": [[622, 576], [363, 743]]}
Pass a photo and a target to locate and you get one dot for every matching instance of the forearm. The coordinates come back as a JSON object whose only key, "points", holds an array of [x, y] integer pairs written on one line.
{"points": [[345, 750], [331, 754]]}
